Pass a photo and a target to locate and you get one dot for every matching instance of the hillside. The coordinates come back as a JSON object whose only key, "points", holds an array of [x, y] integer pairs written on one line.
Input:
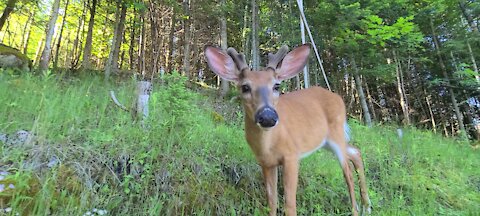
{"points": [[81, 152]]}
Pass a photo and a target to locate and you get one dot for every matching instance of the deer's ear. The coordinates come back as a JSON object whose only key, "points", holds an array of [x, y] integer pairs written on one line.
{"points": [[293, 62], [221, 63]]}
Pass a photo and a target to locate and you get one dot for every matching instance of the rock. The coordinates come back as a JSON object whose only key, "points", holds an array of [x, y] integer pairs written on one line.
{"points": [[16, 139], [13, 58]]}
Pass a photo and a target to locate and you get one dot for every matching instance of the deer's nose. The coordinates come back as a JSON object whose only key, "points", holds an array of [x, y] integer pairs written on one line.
{"points": [[266, 117]]}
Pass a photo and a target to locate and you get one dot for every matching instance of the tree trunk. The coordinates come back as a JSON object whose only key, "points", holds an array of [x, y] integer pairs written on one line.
{"points": [[132, 41], [255, 40], [45, 59], [27, 29], [87, 51], [76, 42], [141, 49], [154, 37], [245, 32], [447, 80], [401, 90], [370, 102], [112, 63], [187, 38], [432, 117], [6, 12], [59, 42], [361, 95], [170, 43], [474, 63], [224, 45], [144, 88], [38, 52], [467, 16]]}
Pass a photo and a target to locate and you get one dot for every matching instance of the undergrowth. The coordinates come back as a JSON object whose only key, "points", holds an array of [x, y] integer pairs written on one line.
{"points": [[187, 159]]}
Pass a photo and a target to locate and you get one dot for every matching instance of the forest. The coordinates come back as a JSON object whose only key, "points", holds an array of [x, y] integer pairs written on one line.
{"points": [[109, 107]]}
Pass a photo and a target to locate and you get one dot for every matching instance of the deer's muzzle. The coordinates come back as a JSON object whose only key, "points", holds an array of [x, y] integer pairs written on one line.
{"points": [[266, 117]]}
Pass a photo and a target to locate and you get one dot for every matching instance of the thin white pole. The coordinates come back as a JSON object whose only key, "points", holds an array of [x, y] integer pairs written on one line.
{"points": [[306, 79], [300, 7]]}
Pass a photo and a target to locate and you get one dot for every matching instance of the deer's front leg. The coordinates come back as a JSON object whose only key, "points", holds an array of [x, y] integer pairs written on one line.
{"points": [[290, 179], [270, 174]]}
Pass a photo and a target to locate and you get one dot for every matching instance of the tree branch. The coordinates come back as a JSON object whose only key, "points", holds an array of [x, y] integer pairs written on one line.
{"points": [[114, 99]]}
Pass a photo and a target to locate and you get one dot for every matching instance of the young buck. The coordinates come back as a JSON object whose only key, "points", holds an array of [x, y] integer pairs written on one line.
{"points": [[282, 129]]}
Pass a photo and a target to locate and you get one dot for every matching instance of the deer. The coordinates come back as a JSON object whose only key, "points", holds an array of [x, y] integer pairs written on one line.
{"points": [[281, 129]]}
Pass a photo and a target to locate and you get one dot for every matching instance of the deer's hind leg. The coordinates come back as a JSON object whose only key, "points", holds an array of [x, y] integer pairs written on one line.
{"points": [[338, 145], [355, 157]]}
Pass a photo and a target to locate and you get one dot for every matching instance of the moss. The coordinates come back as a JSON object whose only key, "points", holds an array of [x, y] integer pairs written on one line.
{"points": [[4, 49]]}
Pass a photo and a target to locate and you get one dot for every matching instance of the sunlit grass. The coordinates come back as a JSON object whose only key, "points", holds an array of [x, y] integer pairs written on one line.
{"points": [[188, 160]]}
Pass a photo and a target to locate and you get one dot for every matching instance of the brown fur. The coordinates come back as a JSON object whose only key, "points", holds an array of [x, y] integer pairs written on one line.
{"points": [[307, 119]]}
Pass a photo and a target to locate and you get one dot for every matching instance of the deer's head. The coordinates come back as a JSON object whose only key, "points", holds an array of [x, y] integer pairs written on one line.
{"points": [[260, 90]]}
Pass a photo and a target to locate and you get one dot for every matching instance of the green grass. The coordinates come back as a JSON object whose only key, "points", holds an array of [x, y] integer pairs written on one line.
{"points": [[189, 160]]}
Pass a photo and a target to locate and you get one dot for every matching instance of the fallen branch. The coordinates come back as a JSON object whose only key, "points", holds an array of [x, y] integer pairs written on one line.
{"points": [[114, 99]]}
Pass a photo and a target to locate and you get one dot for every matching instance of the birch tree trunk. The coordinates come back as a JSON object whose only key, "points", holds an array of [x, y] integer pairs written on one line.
{"points": [[47, 49], [361, 95], [187, 38], [401, 90], [255, 27], [87, 51], [224, 45], [170, 43], [474, 63], [38, 52]]}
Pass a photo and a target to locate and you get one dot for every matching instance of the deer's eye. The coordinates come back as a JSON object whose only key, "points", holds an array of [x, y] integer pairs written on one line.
{"points": [[246, 88], [276, 87]]}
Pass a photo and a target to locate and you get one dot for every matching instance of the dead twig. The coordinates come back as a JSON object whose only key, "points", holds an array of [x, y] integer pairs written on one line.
{"points": [[114, 99]]}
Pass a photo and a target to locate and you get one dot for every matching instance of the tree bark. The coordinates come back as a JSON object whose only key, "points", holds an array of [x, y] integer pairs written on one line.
{"points": [[370, 102], [112, 63], [154, 38], [467, 16], [87, 51], [255, 27], [432, 117], [474, 63], [132, 42], [401, 90], [187, 37], [6, 12], [27, 30], [45, 59], [59, 42], [170, 43], [76, 42], [456, 108], [361, 95], [38, 52], [223, 43], [141, 49]]}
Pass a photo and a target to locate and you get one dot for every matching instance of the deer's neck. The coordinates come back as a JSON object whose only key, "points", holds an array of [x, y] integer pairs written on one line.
{"points": [[260, 140]]}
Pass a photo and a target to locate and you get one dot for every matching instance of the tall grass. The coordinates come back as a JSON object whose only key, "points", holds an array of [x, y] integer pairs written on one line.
{"points": [[189, 160]]}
